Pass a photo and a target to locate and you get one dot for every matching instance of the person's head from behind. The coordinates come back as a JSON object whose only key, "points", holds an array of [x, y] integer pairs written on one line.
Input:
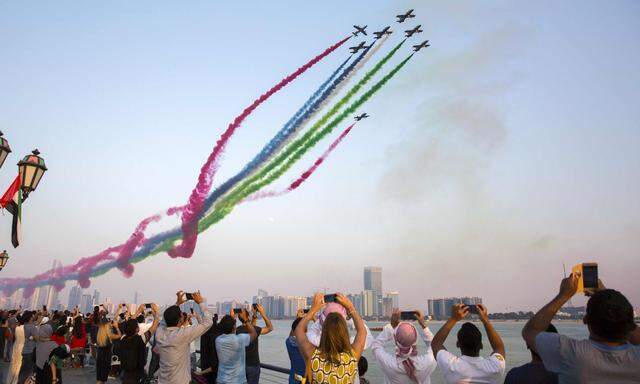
{"points": [[363, 366], [172, 316], [130, 327], [609, 316], [335, 337], [104, 332], [294, 325], [27, 317], [469, 339], [534, 356], [227, 325]]}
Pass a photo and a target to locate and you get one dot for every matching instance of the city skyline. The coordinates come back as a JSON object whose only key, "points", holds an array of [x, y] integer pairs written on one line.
{"points": [[504, 150]]}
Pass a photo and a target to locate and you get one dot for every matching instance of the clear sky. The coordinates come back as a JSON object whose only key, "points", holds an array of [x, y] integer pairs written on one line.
{"points": [[507, 148]]}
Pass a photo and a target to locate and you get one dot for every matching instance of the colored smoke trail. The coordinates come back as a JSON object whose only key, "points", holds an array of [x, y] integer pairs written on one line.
{"points": [[368, 54], [306, 174], [100, 264], [209, 168], [241, 194], [289, 150]]}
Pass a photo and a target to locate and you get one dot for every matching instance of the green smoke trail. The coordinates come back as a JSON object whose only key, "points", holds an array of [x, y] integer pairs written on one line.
{"points": [[226, 205], [291, 148]]}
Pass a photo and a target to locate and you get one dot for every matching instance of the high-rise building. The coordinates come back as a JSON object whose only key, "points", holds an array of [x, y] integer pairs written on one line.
{"points": [[373, 279], [75, 295], [86, 303], [369, 303], [136, 298], [96, 297]]}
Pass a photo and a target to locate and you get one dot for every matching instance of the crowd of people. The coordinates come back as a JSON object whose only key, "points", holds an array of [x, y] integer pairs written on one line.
{"points": [[325, 344]]}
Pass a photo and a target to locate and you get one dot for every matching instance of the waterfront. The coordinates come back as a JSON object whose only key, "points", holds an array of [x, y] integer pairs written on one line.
{"points": [[273, 351]]}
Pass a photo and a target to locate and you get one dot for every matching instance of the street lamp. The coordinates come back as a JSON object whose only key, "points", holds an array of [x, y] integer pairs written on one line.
{"points": [[4, 149], [4, 257], [31, 169]]}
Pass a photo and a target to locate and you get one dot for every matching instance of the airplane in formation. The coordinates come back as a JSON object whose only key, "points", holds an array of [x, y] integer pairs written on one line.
{"points": [[359, 29], [408, 15], [358, 47], [363, 116], [424, 44], [411, 32], [385, 31]]}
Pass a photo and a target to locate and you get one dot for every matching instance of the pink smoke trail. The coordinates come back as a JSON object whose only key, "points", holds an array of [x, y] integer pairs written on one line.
{"points": [[209, 168], [306, 174], [137, 237]]}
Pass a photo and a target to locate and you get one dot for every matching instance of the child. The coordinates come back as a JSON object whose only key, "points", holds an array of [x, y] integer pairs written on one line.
{"points": [[363, 366]]}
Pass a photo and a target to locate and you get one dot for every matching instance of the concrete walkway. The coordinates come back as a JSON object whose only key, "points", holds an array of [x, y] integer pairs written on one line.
{"points": [[69, 376]]}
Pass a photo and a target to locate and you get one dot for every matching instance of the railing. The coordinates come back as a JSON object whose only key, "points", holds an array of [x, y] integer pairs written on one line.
{"points": [[273, 374], [270, 373]]}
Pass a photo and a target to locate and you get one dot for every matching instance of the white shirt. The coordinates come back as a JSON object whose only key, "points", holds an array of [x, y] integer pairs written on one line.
{"points": [[394, 372], [143, 328], [467, 369], [172, 344]]}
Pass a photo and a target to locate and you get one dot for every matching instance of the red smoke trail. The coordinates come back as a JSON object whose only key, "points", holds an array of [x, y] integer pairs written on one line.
{"points": [[208, 170], [130, 246], [305, 175]]}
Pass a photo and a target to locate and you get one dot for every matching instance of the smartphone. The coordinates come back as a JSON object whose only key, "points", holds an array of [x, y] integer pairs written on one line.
{"points": [[192, 311], [44, 308], [332, 298], [122, 316], [254, 306], [147, 305], [237, 310], [588, 276], [306, 310], [188, 296], [408, 315], [473, 309]]}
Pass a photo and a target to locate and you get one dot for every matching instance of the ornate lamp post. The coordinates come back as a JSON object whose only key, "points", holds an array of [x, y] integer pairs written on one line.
{"points": [[31, 169], [4, 257], [5, 150]]}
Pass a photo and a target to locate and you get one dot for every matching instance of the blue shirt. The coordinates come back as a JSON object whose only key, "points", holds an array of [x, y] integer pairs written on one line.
{"points": [[231, 358], [297, 361]]}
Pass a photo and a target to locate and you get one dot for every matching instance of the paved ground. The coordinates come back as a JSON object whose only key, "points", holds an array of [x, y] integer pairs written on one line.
{"points": [[69, 376]]}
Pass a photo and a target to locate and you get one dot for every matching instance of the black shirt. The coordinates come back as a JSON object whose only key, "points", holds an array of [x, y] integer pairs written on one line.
{"points": [[533, 373], [252, 351]]}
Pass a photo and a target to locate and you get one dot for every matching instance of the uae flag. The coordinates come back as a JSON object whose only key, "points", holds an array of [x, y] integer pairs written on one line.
{"points": [[12, 201]]}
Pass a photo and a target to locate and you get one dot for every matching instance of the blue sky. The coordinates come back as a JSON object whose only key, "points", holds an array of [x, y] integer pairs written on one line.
{"points": [[508, 147]]}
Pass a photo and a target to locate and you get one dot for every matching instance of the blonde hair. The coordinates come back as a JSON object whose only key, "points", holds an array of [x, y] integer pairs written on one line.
{"points": [[104, 335], [335, 338]]}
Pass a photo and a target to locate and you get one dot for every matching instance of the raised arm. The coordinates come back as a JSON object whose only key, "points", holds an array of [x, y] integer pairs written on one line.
{"points": [[305, 346], [244, 318], [361, 329], [156, 318], [458, 312], [541, 320], [268, 325], [115, 335], [494, 338], [426, 334]]}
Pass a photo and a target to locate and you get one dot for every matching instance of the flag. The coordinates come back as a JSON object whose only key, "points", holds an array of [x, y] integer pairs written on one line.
{"points": [[12, 201]]}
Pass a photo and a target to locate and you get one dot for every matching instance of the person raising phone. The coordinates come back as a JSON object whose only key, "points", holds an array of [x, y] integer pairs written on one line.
{"points": [[336, 357], [253, 350], [470, 367], [173, 341], [612, 352], [405, 365]]}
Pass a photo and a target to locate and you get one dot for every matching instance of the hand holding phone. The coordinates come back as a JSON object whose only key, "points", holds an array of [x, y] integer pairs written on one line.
{"points": [[331, 298], [587, 277], [188, 296], [147, 305], [473, 309], [408, 315]]}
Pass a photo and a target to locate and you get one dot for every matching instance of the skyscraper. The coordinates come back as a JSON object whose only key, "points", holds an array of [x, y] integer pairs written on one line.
{"points": [[75, 295], [136, 298], [373, 279], [96, 297]]}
